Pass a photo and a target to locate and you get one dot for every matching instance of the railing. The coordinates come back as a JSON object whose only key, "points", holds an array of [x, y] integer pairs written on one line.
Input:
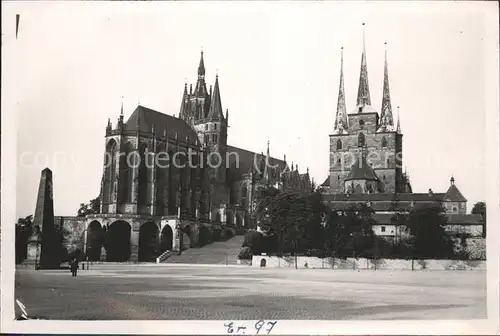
{"points": [[162, 257]]}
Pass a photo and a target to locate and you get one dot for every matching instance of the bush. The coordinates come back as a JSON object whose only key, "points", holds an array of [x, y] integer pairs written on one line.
{"points": [[245, 253], [251, 239]]}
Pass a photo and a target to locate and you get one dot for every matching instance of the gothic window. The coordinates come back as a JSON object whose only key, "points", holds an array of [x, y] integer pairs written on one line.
{"points": [[206, 138], [339, 144], [215, 127], [383, 177], [387, 162], [206, 127], [384, 142], [338, 161], [216, 138], [361, 140]]}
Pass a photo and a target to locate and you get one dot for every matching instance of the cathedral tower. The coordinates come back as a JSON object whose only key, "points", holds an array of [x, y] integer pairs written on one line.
{"points": [[202, 109], [365, 141]]}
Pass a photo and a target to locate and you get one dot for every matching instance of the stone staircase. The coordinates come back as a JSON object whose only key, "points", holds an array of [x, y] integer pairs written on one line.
{"points": [[221, 253]]}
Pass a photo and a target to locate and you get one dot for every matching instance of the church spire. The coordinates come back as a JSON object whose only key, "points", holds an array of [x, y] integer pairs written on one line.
{"points": [[386, 110], [182, 112], [341, 116], [398, 127], [363, 88], [215, 111], [200, 90], [201, 67]]}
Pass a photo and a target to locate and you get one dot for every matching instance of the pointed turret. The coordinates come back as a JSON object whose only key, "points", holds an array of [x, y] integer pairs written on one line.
{"points": [[386, 119], [109, 127], [341, 116], [184, 103], [453, 194], [200, 90], [363, 88], [201, 66], [398, 127], [215, 112]]}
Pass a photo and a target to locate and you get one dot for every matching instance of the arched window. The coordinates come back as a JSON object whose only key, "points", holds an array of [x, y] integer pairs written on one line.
{"points": [[361, 140], [339, 144], [361, 122], [384, 142]]}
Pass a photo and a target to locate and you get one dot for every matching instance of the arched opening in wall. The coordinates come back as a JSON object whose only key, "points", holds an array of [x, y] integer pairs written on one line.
{"points": [[339, 144], [142, 175], [186, 237], [244, 195], [126, 172], [95, 241], [110, 171], [384, 142], [118, 241], [358, 189], [361, 140], [166, 239], [229, 219], [148, 242], [217, 217], [239, 221]]}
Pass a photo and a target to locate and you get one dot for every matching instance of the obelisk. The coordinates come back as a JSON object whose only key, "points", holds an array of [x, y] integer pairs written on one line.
{"points": [[44, 222]]}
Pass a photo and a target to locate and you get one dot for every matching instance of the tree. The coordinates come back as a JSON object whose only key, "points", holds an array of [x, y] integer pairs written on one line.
{"points": [[427, 228], [480, 209], [93, 207], [337, 235], [359, 221], [24, 229], [293, 218]]}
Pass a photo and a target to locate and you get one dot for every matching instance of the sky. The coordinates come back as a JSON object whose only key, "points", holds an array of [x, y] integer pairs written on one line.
{"points": [[278, 66]]}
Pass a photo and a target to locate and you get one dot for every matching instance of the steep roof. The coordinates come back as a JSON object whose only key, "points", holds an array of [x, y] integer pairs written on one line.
{"points": [[474, 219], [386, 197], [454, 195], [326, 183], [145, 118], [246, 159], [361, 170]]}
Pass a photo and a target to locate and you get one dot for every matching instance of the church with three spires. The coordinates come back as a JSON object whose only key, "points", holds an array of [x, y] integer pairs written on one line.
{"points": [[366, 160]]}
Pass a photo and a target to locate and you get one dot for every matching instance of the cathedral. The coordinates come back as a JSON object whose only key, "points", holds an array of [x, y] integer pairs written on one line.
{"points": [[178, 175], [366, 159]]}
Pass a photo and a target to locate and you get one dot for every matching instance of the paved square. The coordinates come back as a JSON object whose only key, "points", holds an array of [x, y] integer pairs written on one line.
{"points": [[164, 292]]}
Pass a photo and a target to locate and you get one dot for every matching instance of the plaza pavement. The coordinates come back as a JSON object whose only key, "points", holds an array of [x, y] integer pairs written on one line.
{"points": [[165, 292]]}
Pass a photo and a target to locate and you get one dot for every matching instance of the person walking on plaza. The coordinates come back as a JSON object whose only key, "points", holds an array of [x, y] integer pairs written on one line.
{"points": [[74, 267]]}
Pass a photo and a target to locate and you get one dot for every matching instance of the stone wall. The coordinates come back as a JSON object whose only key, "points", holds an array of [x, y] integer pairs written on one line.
{"points": [[366, 264]]}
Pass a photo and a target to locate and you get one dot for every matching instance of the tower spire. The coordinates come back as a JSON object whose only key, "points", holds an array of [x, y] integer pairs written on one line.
{"points": [[363, 88], [215, 111], [398, 127], [386, 110], [341, 116], [201, 67]]}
